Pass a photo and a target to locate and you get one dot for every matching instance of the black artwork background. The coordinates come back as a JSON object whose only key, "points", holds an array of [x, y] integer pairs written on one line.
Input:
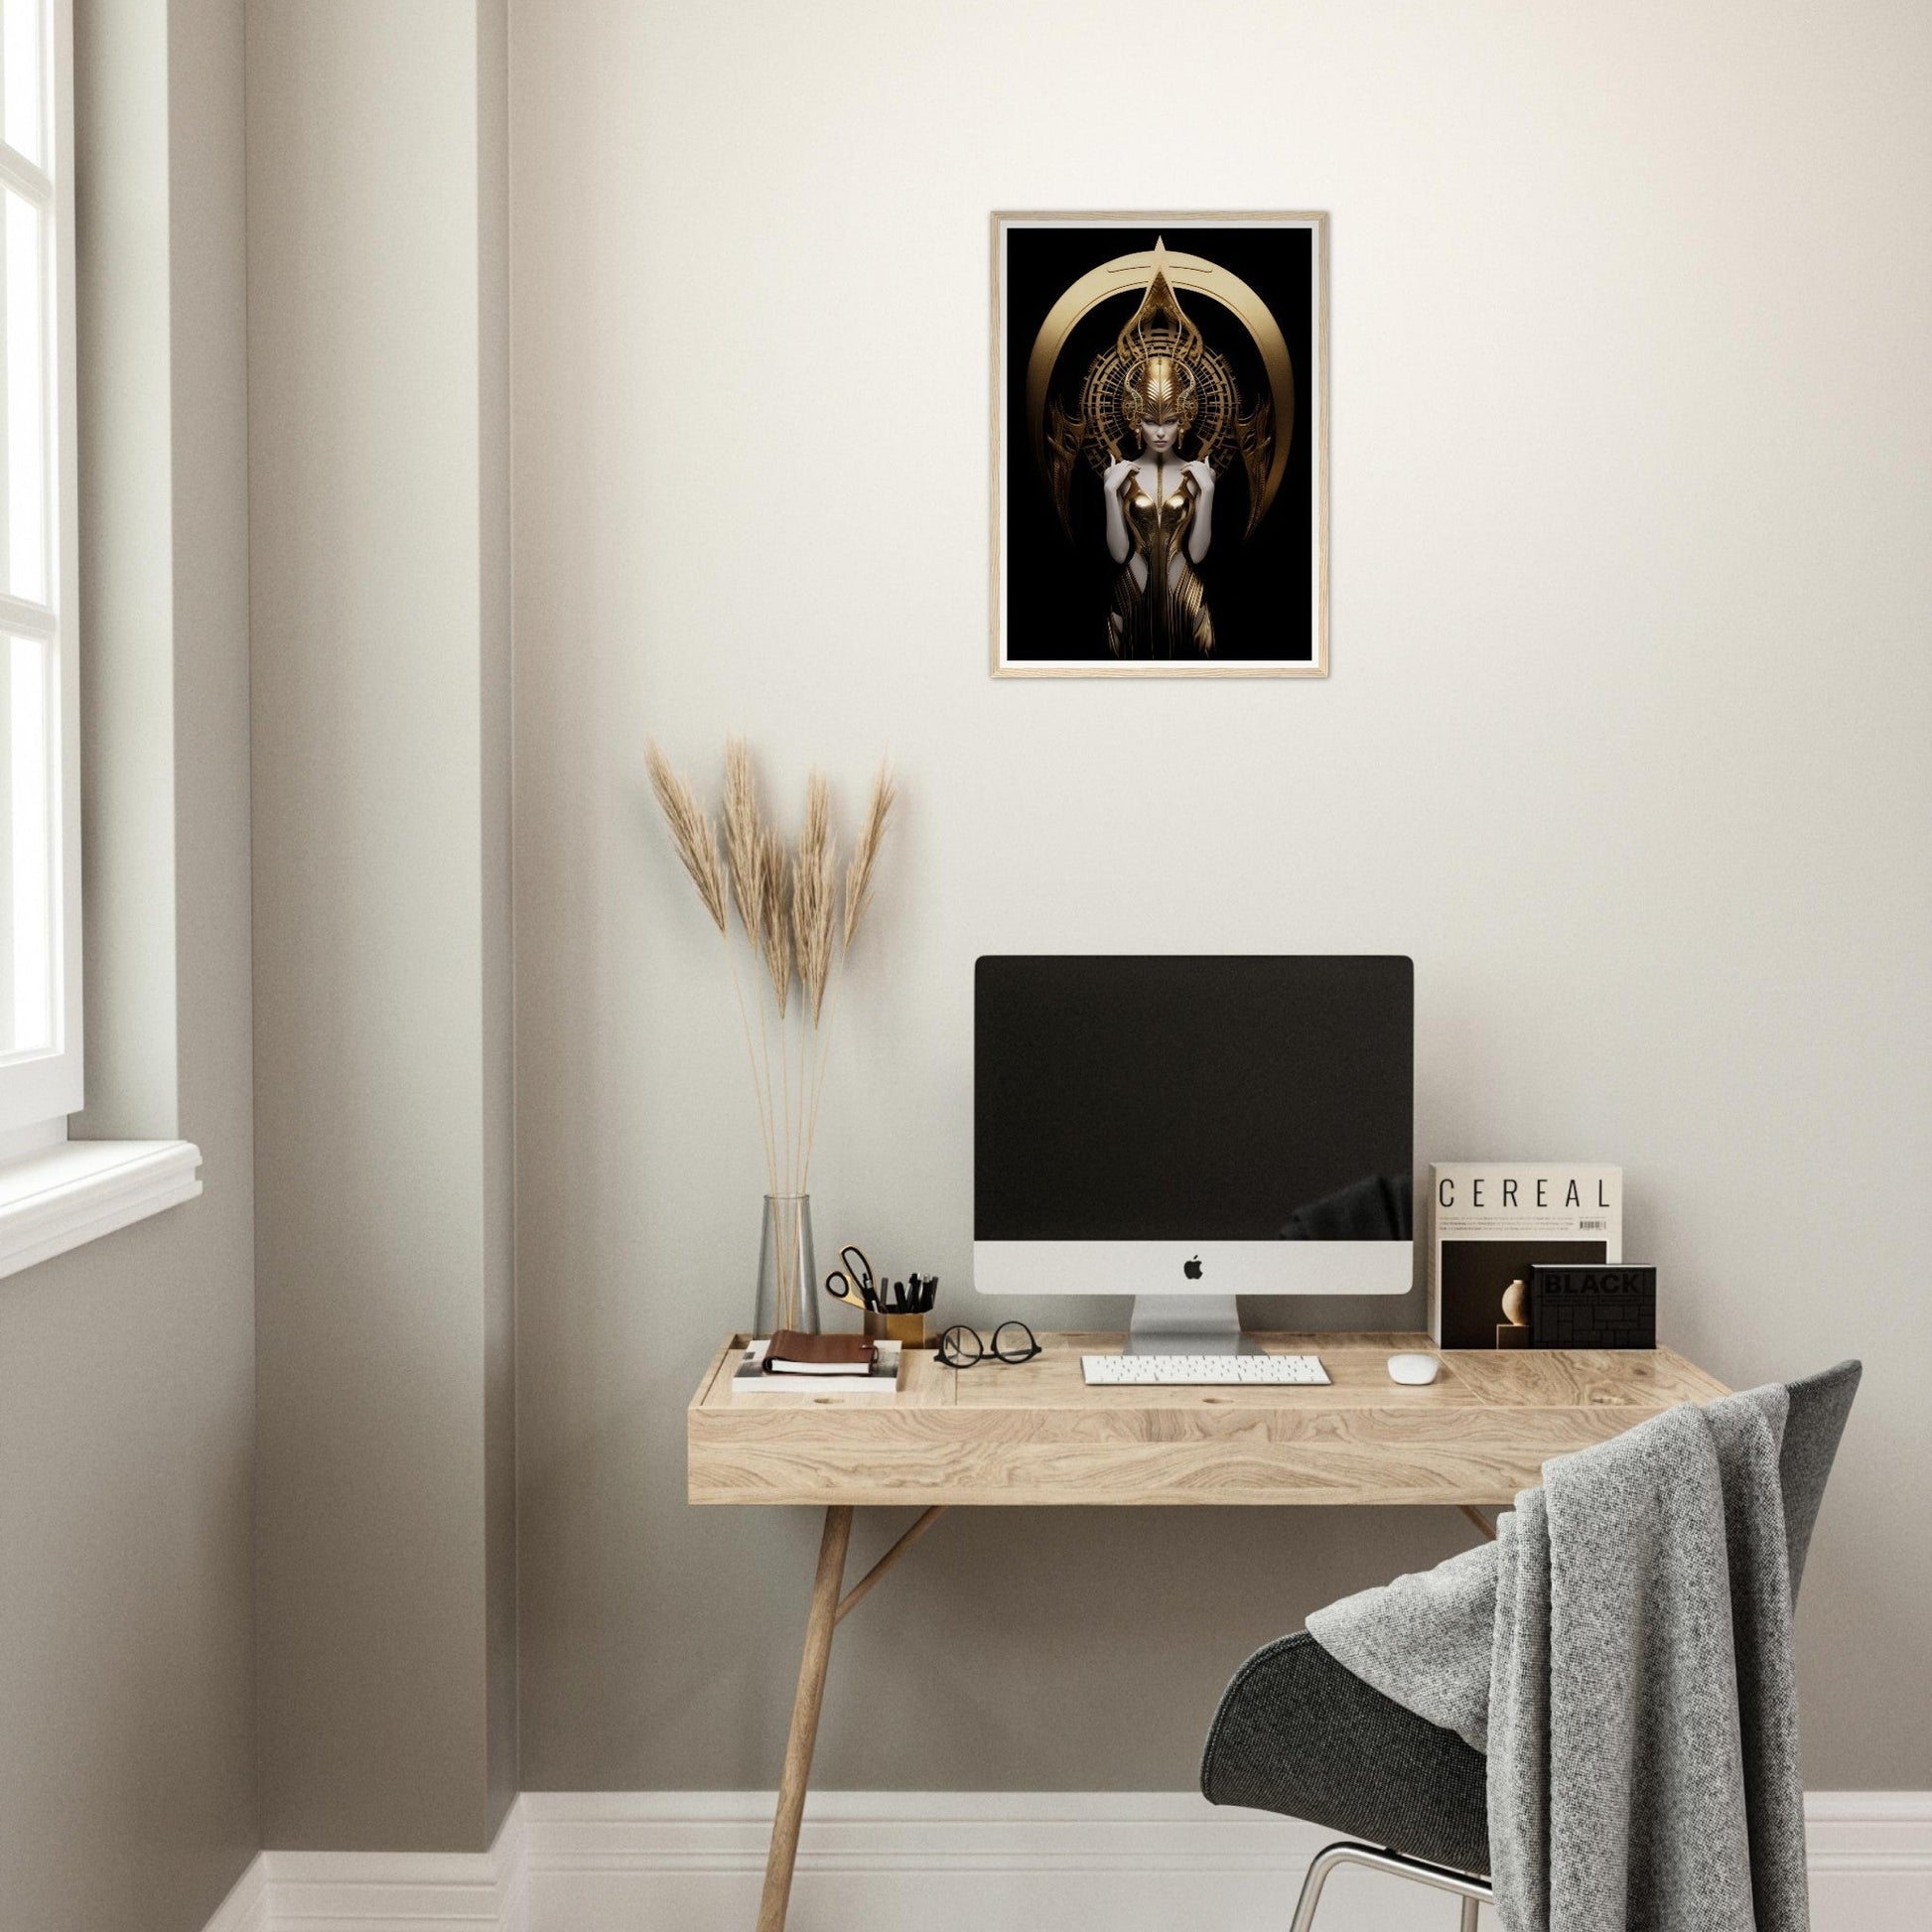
{"points": [[1258, 592]]}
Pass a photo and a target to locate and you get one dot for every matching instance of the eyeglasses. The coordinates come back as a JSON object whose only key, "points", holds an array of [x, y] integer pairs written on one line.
{"points": [[963, 1347]]}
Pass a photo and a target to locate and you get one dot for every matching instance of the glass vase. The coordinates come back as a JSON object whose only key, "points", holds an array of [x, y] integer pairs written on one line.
{"points": [[787, 1269]]}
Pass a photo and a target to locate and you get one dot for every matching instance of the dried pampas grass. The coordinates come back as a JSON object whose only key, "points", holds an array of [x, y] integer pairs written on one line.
{"points": [[865, 852], [814, 895], [692, 832], [774, 916], [787, 908], [744, 833]]}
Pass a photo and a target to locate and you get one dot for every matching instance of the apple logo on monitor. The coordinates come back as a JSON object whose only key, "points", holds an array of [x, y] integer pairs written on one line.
{"points": [[1192, 1269]]}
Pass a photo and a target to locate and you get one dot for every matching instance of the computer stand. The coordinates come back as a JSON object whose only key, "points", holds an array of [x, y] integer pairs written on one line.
{"points": [[1186, 1324]]}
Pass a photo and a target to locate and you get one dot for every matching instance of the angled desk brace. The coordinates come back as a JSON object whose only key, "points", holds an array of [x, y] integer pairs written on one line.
{"points": [[1035, 1434]]}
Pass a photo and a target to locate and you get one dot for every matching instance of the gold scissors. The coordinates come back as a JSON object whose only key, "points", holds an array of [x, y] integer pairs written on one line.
{"points": [[853, 1282]]}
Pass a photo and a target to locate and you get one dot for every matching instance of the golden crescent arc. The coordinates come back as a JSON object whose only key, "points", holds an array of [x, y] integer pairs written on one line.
{"points": [[1130, 274]]}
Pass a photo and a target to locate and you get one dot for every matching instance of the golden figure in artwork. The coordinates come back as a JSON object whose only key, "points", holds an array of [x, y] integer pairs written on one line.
{"points": [[1157, 412], [1160, 522]]}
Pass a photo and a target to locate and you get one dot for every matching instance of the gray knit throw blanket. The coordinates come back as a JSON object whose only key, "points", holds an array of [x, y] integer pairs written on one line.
{"points": [[1622, 1652]]}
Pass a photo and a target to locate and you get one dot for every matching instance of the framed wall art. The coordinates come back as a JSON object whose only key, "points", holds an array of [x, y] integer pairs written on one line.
{"points": [[1160, 445]]}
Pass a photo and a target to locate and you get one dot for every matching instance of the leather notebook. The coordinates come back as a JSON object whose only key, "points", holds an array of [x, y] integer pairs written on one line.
{"points": [[793, 1353]]}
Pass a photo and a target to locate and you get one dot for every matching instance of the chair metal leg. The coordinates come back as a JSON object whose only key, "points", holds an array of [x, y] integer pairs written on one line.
{"points": [[1472, 1891], [1324, 1862]]}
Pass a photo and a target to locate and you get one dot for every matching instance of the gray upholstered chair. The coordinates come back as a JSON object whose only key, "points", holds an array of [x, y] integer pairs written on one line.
{"points": [[1299, 1735]]}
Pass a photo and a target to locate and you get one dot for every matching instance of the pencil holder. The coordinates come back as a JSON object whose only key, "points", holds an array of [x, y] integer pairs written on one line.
{"points": [[908, 1329]]}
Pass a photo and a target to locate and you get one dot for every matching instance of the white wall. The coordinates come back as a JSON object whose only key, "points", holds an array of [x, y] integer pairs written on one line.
{"points": [[1624, 743]]}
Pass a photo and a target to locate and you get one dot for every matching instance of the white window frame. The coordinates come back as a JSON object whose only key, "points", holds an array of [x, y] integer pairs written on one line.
{"points": [[38, 1089], [57, 1192]]}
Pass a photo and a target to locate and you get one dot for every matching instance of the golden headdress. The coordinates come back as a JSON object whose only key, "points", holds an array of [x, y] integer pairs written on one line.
{"points": [[1156, 354], [1160, 390], [1160, 368]]}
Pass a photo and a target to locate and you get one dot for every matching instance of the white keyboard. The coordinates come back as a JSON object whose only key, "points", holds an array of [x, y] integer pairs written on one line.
{"points": [[1201, 1371]]}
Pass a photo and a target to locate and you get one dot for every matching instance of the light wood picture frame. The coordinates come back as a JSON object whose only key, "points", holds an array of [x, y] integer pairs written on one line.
{"points": [[1160, 445]]}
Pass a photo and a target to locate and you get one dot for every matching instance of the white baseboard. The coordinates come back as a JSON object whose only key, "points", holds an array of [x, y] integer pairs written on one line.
{"points": [[955, 1861], [939, 1862], [1869, 1854], [245, 1909]]}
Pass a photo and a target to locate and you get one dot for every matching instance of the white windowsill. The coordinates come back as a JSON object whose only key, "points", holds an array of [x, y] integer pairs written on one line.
{"points": [[79, 1190]]}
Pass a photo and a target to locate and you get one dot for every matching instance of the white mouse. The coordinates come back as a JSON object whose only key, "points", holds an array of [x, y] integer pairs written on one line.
{"points": [[1414, 1370]]}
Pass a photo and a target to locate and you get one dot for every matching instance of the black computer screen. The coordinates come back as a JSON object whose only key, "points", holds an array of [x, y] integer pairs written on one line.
{"points": [[1244, 1098]]}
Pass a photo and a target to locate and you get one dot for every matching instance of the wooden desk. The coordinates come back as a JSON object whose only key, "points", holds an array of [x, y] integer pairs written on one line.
{"points": [[1033, 1434]]}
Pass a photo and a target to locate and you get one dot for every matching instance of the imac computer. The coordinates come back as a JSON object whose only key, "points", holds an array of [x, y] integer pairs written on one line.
{"points": [[1185, 1130]]}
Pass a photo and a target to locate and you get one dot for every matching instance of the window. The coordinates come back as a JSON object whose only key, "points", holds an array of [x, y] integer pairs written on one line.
{"points": [[55, 1194], [40, 815]]}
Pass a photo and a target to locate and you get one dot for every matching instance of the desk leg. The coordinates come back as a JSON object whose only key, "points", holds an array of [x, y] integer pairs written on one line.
{"points": [[804, 1719]]}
